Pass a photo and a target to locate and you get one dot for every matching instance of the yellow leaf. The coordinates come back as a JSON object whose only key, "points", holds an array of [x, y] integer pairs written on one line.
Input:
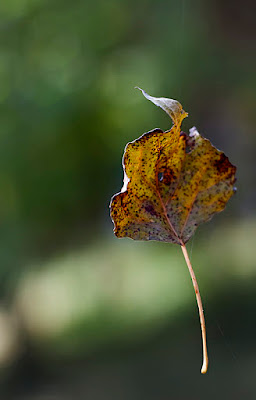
{"points": [[173, 182]]}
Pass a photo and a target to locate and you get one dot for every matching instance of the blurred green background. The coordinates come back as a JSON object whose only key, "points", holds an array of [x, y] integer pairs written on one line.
{"points": [[84, 315]]}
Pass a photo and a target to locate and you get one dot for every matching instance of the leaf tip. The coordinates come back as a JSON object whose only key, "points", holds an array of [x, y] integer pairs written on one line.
{"points": [[172, 107]]}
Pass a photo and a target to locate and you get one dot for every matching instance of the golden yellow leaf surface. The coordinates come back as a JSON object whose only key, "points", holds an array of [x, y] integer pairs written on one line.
{"points": [[173, 182]]}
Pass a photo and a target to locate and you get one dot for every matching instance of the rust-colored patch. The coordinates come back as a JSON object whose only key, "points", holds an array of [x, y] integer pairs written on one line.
{"points": [[222, 164], [168, 176]]}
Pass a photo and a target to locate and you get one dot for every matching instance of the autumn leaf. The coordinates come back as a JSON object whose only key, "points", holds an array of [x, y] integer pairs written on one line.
{"points": [[173, 181]]}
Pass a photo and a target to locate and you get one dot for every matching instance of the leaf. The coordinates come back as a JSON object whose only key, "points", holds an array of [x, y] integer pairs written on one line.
{"points": [[173, 181]]}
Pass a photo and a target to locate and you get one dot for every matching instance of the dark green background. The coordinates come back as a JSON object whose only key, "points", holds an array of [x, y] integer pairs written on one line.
{"points": [[84, 315]]}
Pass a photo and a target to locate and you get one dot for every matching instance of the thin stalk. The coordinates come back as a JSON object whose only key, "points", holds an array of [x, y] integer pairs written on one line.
{"points": [[200, 308]]}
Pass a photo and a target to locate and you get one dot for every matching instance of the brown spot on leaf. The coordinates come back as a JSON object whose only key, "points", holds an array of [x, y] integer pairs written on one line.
{"points": [[168, 177], [222, 164], [148, 206]]}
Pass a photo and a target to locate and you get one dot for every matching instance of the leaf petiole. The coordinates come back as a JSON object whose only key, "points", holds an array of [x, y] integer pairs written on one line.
{"points": [[200, 308]]}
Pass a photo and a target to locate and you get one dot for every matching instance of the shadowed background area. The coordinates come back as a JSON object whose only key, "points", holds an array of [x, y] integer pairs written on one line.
{"points": [[84, 315]]}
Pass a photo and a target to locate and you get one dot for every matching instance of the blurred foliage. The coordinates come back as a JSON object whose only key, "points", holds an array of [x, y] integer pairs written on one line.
{"points": [[67, 109], [106, 294]]}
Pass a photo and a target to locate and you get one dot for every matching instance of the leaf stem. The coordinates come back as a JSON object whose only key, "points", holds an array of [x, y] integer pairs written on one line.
{"points": [[200, 308]]}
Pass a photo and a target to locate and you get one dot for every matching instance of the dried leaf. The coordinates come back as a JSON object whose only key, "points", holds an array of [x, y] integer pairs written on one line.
{"points": [[173, 182]]}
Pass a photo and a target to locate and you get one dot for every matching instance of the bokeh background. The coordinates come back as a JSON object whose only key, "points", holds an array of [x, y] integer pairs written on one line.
{"points": [[84, 315]]}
